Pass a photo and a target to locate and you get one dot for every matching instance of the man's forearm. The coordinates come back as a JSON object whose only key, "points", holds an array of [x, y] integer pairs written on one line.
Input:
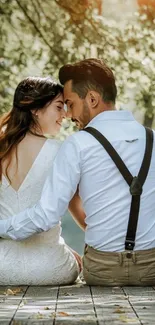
{"points": [[80, 223], [9, 230], [77, 212], [23, 225], [58, 190]]}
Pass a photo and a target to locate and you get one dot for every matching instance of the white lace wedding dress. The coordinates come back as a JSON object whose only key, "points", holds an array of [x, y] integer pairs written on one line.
{"points": [[43, 258]]}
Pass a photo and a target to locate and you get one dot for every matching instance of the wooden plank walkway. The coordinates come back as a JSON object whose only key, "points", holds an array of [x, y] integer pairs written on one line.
{"points": [[77, 304]]}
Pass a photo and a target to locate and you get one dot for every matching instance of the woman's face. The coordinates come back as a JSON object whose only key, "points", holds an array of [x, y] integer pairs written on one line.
{"points": [[51, 117]]}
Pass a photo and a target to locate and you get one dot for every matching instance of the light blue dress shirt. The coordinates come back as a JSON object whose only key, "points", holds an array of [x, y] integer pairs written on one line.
{"points": [[105, 194]]}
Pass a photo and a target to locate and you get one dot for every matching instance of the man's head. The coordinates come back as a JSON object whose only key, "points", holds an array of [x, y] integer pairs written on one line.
{"points": [[89, 89]]}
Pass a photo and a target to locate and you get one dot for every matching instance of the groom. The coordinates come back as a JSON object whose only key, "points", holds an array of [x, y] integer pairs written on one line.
{"points": [[119, 219]]}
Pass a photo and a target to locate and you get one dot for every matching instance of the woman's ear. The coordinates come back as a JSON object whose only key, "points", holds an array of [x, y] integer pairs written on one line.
{"points": [[93, 98], [34, 112]]}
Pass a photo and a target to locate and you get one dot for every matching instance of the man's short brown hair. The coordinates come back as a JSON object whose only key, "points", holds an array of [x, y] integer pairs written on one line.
{"points": [[90, 74]]}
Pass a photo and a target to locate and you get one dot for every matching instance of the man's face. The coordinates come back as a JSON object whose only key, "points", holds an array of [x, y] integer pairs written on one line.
{"points": [[77, 108]]}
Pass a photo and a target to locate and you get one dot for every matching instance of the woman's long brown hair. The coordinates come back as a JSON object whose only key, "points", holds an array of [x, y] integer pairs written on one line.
{"points": [[32, 94]]}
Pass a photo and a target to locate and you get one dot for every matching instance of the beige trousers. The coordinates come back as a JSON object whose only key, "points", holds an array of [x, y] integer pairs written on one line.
{"points": [[119, 269]]}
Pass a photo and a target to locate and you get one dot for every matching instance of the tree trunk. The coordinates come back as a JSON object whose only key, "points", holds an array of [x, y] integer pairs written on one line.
{"points": [[149, 114], [148, 120], [99, 4]]}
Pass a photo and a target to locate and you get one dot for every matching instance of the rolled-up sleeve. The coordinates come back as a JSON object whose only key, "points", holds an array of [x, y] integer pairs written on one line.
{"points": [[57, 192]]}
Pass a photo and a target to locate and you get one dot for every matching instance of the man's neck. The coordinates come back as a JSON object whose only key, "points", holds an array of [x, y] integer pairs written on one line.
{"points": [[104, 108]]}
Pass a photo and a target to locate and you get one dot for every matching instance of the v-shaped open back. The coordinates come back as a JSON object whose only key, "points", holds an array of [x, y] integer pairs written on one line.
{"points": [[29, 192], [17, 189]]}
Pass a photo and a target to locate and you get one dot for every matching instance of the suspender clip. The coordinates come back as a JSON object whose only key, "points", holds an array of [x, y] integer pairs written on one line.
{"points": [[136, 187], [129, 244]]}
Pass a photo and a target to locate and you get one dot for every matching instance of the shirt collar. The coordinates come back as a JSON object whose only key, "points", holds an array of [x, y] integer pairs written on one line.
{"points": [[112, 115]]}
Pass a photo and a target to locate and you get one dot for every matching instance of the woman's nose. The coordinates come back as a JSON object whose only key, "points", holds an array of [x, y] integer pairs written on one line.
{"points": [[63, 114]]}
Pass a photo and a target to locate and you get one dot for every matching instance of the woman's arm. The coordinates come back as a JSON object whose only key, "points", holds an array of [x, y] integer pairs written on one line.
{"points": [[76, 210]]}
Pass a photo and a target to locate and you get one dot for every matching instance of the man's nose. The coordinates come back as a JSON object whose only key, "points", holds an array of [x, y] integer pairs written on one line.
{"points": [[69, 114]]}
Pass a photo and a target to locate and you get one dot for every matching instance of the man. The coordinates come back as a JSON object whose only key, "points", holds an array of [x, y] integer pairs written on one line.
{"points": [[110, 257]]}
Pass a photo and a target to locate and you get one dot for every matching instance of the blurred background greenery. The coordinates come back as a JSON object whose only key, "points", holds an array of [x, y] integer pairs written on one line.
{"points": [[38, 37]]}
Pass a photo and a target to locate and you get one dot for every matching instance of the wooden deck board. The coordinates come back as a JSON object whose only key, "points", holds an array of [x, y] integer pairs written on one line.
{"points": [[77, 304], [112, 306], [37, 307], [142, 301], [10, 299]]}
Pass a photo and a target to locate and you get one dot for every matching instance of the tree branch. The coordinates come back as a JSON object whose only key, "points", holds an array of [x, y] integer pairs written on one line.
{"points": [[41, 35], [36, 9]]}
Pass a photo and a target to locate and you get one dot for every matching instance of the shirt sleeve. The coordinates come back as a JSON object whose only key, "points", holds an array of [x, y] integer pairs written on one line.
{"points": [[57, 192]]}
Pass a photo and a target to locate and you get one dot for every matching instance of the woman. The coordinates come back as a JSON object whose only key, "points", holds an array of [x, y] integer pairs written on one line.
{"points": [[26, 156]]}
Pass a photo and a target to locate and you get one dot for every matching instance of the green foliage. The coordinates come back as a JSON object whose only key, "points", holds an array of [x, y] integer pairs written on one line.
{"points": [[40, 36], [37, 38], [133, 59]]}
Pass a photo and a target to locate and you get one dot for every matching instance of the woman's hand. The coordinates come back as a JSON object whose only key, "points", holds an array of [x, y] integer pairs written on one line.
{"points": [[78, 258]]}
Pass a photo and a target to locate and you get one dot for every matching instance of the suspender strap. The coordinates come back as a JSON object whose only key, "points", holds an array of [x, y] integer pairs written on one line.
{"points": [[135, 202], [135, 183]]}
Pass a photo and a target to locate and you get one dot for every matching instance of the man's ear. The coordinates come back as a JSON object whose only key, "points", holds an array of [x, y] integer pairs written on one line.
{"points": [[93, 98]]}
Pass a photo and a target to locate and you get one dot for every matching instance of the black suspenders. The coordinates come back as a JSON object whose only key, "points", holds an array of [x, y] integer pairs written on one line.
{"points": [[135, 183]]}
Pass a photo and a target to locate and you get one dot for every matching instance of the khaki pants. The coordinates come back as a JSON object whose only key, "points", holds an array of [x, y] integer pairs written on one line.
{"points": [[118, 269]]}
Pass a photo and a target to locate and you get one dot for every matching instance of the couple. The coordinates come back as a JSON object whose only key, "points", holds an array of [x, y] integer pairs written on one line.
{"points": [[81, 170]]}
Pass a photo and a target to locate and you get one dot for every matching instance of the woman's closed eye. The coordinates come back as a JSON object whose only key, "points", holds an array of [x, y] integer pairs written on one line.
{"points": [[59, 108]]}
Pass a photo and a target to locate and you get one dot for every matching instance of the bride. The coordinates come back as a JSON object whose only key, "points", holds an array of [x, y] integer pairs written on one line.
{"points": [[26, 156]]}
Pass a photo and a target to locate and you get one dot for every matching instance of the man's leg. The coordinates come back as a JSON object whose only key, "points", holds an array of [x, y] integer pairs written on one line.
{"points": [[104, 268], [142, 268], [118, 269]]}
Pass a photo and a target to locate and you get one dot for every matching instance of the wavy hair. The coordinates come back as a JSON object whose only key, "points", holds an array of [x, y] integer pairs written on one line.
{"points": [[31, 94]]}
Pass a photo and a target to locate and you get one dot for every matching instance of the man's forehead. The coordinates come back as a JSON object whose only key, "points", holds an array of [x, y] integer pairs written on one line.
{"points": [[68, 94], [68, 86]]}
